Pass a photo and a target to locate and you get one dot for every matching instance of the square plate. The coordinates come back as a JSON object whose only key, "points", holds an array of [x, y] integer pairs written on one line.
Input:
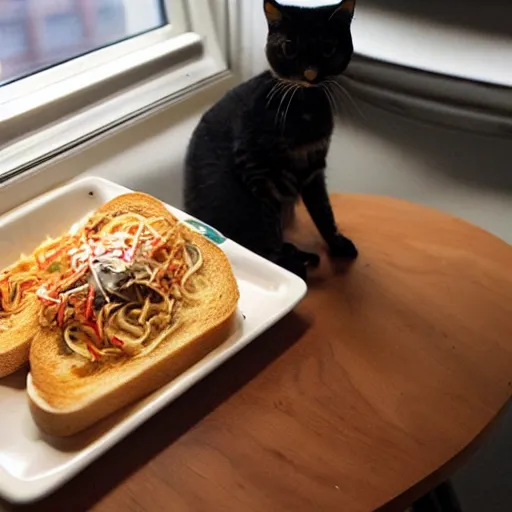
{"points": [[32, 464]]}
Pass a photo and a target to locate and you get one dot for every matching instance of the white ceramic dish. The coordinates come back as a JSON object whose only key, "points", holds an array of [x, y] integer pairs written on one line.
{"points": [[33, 465]]}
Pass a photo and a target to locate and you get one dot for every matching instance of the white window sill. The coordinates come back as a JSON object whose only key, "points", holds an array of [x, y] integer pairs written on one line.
{"points": [[145, 154], [116, 112]]}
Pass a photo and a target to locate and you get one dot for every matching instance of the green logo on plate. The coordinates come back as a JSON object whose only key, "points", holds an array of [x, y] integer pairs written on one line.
{"points": [[207, 231]]}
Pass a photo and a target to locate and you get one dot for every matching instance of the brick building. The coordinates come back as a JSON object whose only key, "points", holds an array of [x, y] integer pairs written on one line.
{"points": [[35, 34]]}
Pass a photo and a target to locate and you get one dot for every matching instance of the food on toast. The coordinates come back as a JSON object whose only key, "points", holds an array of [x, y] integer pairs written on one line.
{"points": [[141, 299], [18, 301]]}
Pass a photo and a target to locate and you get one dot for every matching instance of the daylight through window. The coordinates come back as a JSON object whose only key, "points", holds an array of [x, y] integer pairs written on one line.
{"points": [[37, 34]]}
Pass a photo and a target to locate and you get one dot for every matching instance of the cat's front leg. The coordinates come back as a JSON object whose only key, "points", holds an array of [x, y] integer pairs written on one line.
{"points": [[261, 211], [268, 230], [316, 199], [257, 226]]}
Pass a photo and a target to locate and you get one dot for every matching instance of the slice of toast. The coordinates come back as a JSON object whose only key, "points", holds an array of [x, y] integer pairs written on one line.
{"points": [[16, 334], [68, 394], [18, 329]]}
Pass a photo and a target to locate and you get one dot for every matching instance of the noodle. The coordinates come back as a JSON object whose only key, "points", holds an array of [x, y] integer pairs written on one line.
{"points": [[193, 268], [127, 275], [22, 279]]}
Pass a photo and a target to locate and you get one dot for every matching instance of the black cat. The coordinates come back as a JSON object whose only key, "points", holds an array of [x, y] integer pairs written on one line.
{"points": [[263, 146]]}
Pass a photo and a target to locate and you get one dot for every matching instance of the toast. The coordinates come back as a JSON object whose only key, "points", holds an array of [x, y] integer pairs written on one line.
{"points": [[71, 390], [16, 333], [18, 323], [19, 304]]}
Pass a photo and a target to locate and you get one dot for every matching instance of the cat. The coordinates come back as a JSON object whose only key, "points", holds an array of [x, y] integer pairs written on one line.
{"points": [[264, 145]]}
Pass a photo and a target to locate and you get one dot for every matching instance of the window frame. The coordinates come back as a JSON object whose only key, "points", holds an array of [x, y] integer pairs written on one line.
{"points": [[58, 109], [95, 58]]}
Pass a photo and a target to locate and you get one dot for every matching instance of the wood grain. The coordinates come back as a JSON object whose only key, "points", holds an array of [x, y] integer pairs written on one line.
{"points": [[388, 371]]}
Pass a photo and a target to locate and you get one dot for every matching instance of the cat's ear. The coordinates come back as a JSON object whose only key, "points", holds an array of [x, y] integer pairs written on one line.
{"points": [[346, 7], [272, 11]]}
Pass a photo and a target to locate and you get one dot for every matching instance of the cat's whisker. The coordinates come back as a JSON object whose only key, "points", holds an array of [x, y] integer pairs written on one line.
{"points": [[332, 104], [331, 100], [295, 89], [272, 93], [337, 111], [275, 90], [270, 99], [342, 105], [275, 87], [339, 102], [285, 94], [347, 95], [323, 87]]}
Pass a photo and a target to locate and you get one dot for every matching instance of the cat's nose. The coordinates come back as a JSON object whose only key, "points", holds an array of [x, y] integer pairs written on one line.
{"points": [[310, 74]]}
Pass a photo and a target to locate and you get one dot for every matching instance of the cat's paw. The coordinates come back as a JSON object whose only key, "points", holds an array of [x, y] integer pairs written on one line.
{"points": [[296, 261], [309, 259], [342, 247], [295, 266]]}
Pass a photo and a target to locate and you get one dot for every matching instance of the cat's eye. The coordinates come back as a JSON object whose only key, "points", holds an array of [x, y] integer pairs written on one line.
{"points": [[289, 49], [329, 48]]}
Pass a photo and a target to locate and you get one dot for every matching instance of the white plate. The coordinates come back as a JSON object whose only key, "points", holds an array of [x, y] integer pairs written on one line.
{"points": [[31, 464]]}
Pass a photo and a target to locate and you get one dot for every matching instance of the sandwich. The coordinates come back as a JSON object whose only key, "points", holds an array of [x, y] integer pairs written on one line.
{"points": [[19, 304], [139, 298]]}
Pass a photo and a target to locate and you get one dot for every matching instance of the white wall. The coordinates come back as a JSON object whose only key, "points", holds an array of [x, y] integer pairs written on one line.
{"points": [[466, 174]]}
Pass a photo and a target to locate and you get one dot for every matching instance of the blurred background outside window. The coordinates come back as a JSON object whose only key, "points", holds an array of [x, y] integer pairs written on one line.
{"points": [[37, 34]]}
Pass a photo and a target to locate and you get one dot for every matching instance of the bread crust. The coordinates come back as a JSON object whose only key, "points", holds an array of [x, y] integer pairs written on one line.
{"points": [[68, 394]]}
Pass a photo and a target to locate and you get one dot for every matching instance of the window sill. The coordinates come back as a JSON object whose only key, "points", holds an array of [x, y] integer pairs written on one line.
{"points": [[85, 81], [144, 154], [113, 114]]}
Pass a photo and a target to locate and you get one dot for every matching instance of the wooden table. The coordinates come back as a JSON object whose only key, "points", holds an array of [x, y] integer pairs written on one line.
{"points": [[376, 387]]}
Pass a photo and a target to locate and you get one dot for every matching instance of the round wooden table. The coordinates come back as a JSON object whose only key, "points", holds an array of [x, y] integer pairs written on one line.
{"points": [[373, 391]]}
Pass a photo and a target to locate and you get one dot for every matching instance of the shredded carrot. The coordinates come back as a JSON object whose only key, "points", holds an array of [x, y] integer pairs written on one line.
{"points": [[117, 342], [89, 304], [61, 312], [93, 351]]}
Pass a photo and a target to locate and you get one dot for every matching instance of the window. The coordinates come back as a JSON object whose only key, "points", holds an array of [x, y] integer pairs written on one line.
{"points": [[35, 36], [72, 69]]}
